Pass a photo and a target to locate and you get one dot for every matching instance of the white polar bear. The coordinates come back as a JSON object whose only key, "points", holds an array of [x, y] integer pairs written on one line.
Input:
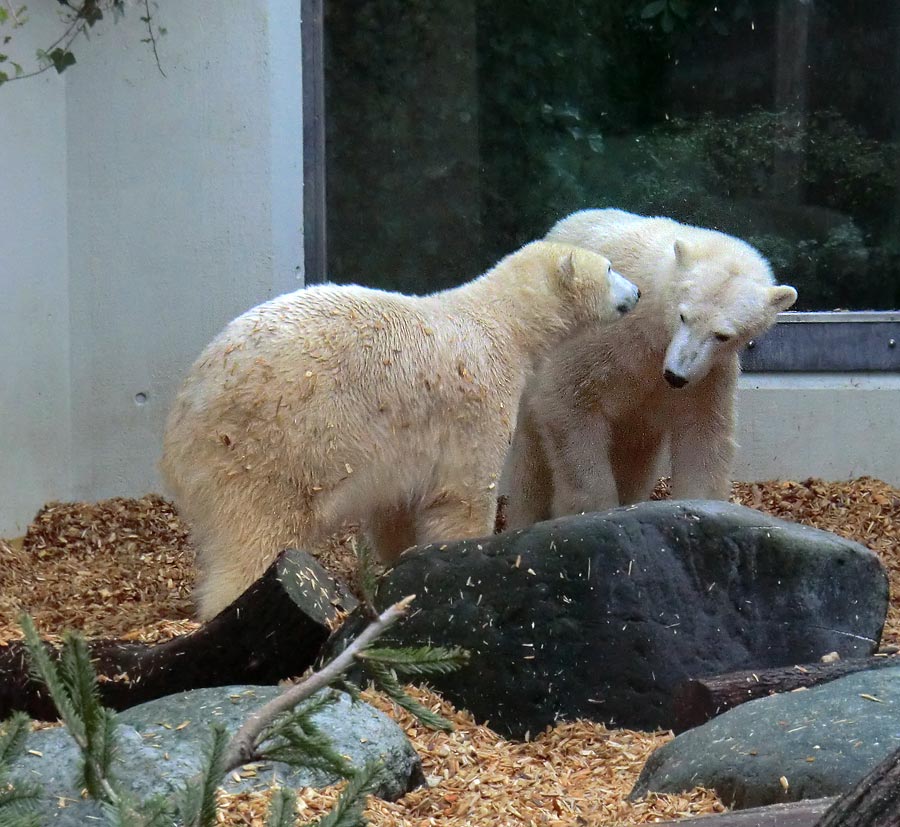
{"points": [[594, 419], [341, 403]]}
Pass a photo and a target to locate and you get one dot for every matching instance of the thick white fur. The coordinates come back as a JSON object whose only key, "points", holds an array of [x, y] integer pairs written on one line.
{"points": [[594, 419], [339, 403]]}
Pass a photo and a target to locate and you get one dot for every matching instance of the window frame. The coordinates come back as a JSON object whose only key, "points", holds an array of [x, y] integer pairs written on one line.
{"points": [[312, 37], [827, 341], [801, 341]]}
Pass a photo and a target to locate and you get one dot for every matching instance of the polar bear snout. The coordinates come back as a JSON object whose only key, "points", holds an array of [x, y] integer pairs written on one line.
{"points": [[624, 294], [674, 379]]}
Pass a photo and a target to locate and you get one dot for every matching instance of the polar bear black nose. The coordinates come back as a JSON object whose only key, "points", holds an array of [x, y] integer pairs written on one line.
{"points": [[674, 379]]}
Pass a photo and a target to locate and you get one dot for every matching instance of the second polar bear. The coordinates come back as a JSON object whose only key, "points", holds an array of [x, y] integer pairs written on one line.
{"points": [[341, 403], [594, 420]]}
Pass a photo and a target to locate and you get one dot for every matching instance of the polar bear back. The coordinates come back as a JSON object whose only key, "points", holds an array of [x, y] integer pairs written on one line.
{"points": [[286, 385], [642, 247]]}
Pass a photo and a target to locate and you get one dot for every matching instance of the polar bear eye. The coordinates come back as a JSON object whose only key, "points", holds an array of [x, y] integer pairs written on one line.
{"points": [[722, 337], [683, 320]]}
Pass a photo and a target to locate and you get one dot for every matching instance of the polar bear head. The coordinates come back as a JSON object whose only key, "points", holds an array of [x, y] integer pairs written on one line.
{"points": [[724, 296], [587, 283]]}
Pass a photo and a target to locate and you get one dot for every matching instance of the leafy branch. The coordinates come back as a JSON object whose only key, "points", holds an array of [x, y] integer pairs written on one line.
{"points": [[283, 730], [78, 20]]}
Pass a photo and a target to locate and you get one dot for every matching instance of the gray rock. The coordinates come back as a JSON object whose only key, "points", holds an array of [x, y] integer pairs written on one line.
{"points": [[601, 616], [821, 740], [161, 744]]}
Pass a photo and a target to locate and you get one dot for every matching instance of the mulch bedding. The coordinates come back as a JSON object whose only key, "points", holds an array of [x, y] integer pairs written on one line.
{"points": [[123, 568]]}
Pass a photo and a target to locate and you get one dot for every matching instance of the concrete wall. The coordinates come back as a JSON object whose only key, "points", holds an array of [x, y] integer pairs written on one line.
{"points": [[829, 425], [154, 210], [34, 306], [185, 209]]}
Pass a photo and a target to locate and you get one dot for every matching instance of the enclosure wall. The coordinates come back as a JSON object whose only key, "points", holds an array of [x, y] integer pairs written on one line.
{"points": [[830, 425], [147, 211], [35, 436]]}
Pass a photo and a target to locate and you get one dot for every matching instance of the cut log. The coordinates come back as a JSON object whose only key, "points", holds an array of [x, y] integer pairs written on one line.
{"points": [[796, 814], [697, 701], [274, 630]]}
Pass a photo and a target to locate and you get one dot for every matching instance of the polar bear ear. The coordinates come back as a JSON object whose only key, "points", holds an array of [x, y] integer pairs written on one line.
{"points": [[565, 269], [782, 297], [683, 256]]}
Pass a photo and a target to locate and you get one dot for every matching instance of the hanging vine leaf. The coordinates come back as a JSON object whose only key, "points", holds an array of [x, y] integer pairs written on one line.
{"points": [[61, 59]]}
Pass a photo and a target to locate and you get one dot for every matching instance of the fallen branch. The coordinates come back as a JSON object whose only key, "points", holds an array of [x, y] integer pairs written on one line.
{"points": [[273, 631], [697, 701], [796, 814], [242, 747]]}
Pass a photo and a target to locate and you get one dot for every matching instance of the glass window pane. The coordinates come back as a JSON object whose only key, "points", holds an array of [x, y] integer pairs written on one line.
{"points": [[459, 130]]}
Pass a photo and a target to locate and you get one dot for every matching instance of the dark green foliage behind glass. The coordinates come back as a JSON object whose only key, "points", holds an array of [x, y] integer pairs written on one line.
{"points": [[458, 130]]}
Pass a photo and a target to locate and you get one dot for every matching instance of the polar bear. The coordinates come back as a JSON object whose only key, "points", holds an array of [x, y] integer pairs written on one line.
{"points": [[595, 417], [342, 403]]}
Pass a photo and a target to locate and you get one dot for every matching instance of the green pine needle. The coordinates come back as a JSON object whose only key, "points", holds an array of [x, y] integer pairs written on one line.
{"points": [[425, 660], [386, 680], [304, 745], [18, 806], [44, 669], [348, 809], [203, 803], [80, 682], [12, 739], [295, 738], [349, 688], [366, 571], [157, 811], [77, 673], [282, 808]]}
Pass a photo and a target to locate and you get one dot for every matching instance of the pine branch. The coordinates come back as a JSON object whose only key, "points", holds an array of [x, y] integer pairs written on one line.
{"points": [[348, 810], [126, 812], [12, 740], [17, 803], [386, 680], [18, 807], [74, 693], [80, 681], [282, 808], [426, 660], [44, 669], [197, 800], [243, 746], [366, 574], [296, 739]]}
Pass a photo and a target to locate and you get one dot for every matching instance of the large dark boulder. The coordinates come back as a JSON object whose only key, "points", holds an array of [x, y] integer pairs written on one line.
{"points": [[601, 616], [788, 747]]}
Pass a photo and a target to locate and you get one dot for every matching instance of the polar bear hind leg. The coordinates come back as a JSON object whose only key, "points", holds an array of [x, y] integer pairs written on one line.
{"points": [[456, 516], [527, 478], [239, 540], [583, 478]]}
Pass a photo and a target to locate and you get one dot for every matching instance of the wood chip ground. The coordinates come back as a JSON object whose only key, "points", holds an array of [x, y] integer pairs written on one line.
{"points": [[123, 568]]}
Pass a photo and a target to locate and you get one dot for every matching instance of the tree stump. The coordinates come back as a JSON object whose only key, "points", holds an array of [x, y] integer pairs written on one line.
{"points": [[274, 630]]}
